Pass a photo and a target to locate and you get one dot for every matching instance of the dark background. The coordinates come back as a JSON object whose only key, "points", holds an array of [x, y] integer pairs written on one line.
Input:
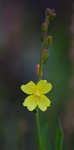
{"points": [[19, 53]]}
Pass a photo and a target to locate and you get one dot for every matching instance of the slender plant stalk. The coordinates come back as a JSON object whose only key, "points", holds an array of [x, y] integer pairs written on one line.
{"points": [[38, 130], [39, 77], [41, 63], [37, 112]]}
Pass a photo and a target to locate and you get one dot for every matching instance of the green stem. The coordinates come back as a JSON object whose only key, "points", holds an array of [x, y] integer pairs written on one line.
{"points": [[38, 130], [41, 63], [37, 113]]}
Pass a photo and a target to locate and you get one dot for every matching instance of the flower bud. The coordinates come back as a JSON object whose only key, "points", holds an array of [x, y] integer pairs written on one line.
{"points": [[46, 50], [49, 40], [53, 13], [50, 12], [47, 12], [37, 69], [43, 36], [44, 27]]}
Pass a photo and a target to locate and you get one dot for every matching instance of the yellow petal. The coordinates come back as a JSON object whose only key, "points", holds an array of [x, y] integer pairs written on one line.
{"points": [[30, 102], [28, 88], [44, 86], [44, 103]]}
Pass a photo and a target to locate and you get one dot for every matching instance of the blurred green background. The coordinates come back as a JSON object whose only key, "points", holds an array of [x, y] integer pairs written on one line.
{"points": [[19, 53]]}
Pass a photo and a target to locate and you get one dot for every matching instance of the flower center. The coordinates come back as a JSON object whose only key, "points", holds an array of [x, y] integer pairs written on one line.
{"points": [[37, 93]]}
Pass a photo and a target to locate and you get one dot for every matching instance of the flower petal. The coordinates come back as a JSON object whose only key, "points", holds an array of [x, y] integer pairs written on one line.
{"points": [[44, 103], [28, 88], [44, 86], [30, 102]]}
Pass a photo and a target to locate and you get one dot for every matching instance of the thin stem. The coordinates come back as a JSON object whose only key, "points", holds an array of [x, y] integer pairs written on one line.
{"points": [[38, 130], [41, 63], [39, 77]]}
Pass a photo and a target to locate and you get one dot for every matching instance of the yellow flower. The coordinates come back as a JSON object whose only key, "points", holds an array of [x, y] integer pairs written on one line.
{"points": [[36, 96]]}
